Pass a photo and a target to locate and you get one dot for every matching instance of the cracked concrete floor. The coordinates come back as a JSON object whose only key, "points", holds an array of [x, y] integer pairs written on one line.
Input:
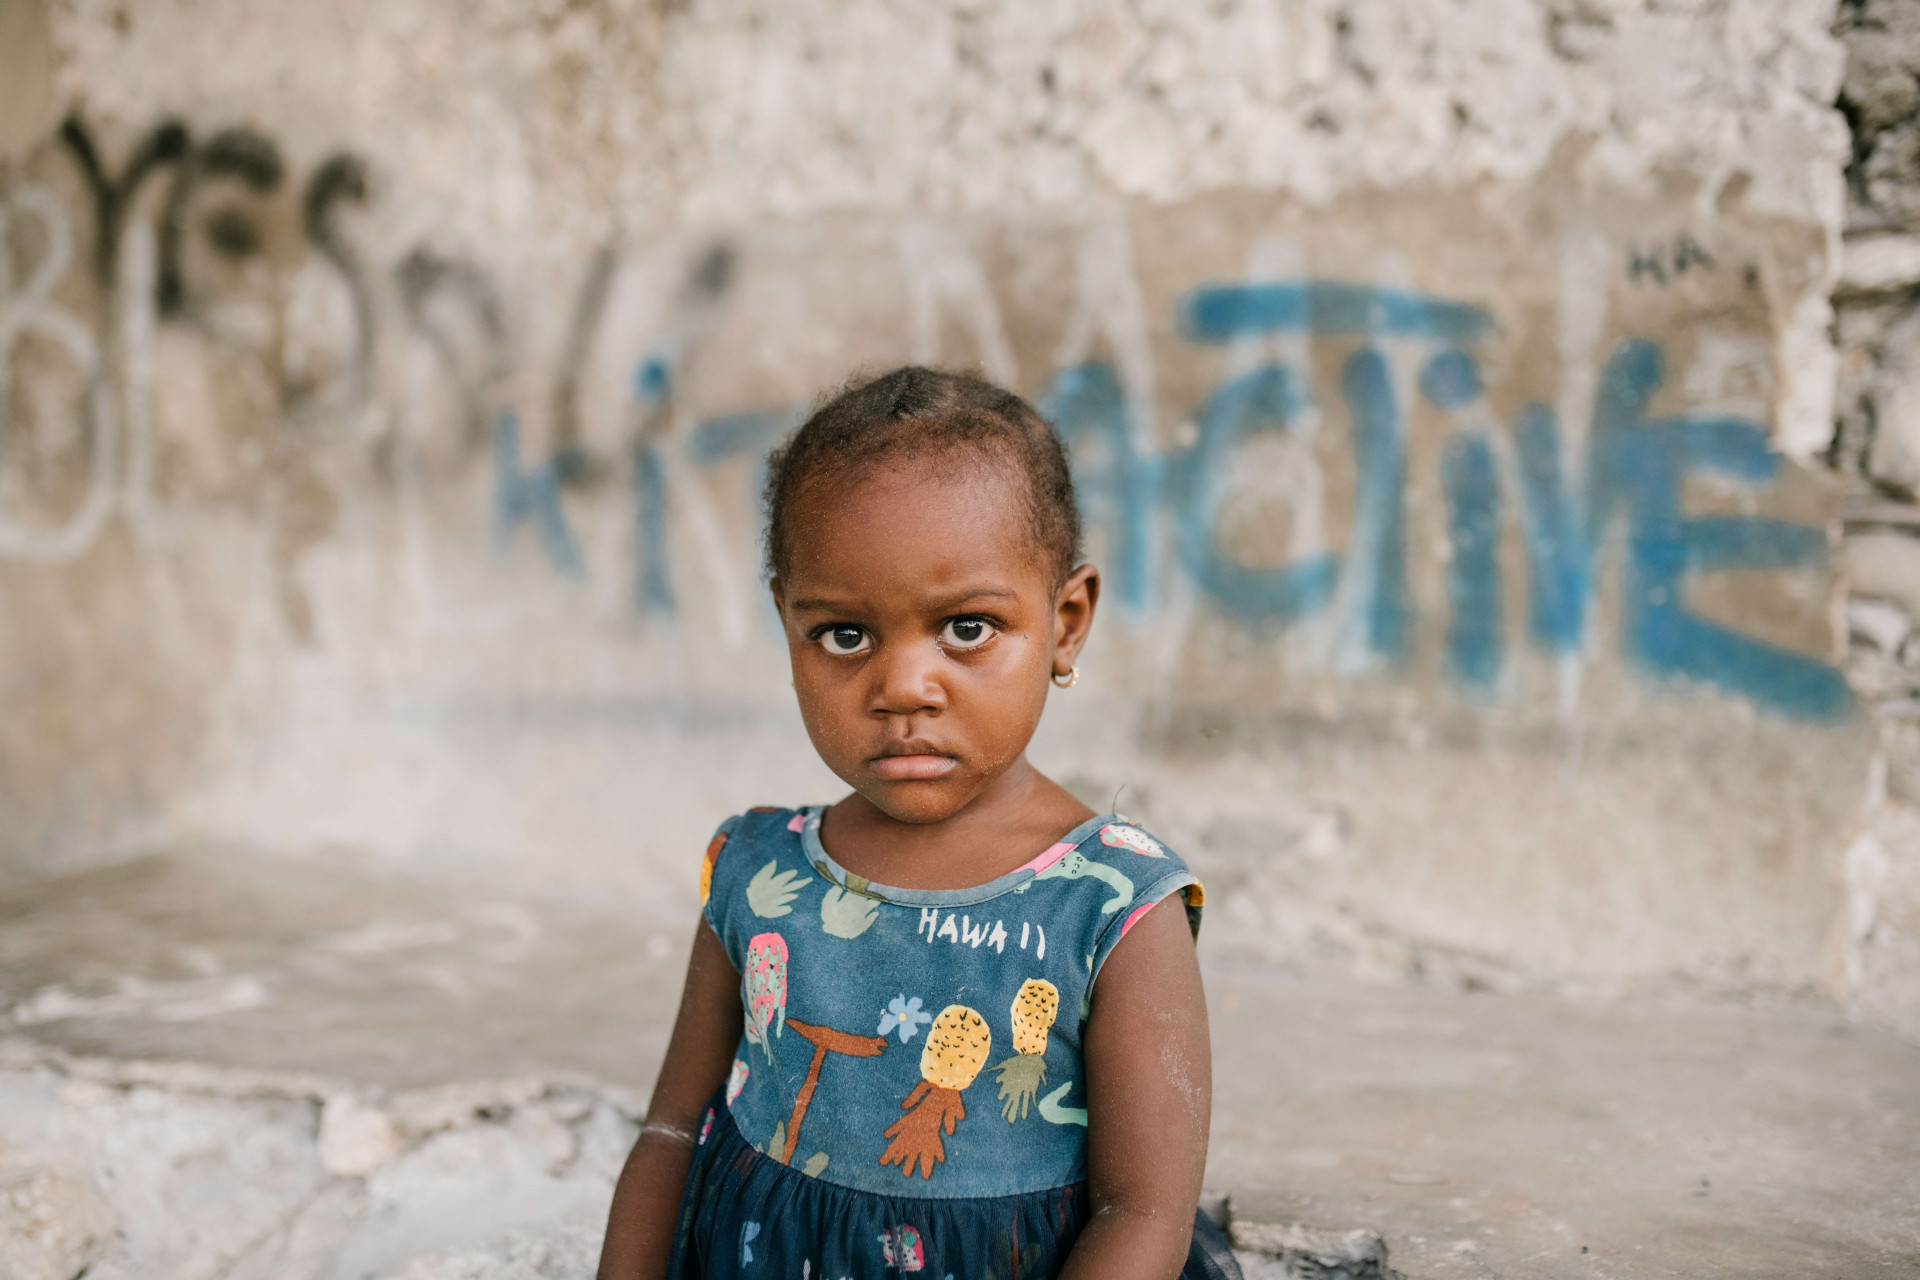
{"points": [[1481, 1135]]}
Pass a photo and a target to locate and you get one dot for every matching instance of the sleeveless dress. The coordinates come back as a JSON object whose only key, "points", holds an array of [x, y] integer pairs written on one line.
{"points": [[908, 1095]]}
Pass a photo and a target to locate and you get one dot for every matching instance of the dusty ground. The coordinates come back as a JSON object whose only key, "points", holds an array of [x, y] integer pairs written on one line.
{"points": [[229, 1067]]}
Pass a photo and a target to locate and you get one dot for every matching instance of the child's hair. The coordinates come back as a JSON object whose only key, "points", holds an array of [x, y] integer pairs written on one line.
{"points": [[915, 413]]}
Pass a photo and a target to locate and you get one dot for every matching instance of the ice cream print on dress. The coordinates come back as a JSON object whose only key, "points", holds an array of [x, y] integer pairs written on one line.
{"points": [[764, 984], [1117, 835]]}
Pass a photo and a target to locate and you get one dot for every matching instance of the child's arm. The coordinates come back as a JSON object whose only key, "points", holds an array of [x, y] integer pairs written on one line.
{"points": [[647, 1197], [1149, 1097]]}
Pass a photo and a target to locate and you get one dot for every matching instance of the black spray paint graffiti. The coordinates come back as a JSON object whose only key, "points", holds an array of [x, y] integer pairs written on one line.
{"points": [[454, 304], [450, 302], [240, 155], [589, 303], [342, 179], [234, 157], [219, 190], [237, 155], [1665, 261], [166, 144]]}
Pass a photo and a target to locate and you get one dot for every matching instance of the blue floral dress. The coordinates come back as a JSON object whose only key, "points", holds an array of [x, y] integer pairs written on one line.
{"points": [[908, 1094]]}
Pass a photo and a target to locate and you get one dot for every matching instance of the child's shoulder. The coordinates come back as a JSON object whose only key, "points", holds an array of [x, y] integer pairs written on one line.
{"points": [[1117, 836], [1130, 869], [1115, 842], [760, 819], [758, 829]]}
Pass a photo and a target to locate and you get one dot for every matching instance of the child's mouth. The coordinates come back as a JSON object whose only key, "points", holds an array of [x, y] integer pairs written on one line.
{"points": [[910, 762]]}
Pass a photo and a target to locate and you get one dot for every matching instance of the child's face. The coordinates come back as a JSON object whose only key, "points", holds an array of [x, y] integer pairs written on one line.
{"points": [[923, 627]]}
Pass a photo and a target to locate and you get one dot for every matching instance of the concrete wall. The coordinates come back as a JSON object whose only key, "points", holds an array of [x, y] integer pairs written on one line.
{"points": [[1450, 387]]}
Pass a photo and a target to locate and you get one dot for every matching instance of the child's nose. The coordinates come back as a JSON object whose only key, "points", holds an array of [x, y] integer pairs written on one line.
{"points": [[907, 680]]}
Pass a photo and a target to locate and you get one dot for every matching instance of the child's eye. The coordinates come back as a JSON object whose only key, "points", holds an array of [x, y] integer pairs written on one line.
{"points": [[843, 639], [966, 633]]}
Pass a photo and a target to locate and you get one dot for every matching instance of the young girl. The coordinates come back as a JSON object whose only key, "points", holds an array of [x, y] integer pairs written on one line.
{"points": [[952, 1024]]}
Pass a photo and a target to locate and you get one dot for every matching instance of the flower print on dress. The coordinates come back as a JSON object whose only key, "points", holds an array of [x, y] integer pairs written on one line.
{"points": [[903, 1015], [706, 1127], [765, 987], [1116, 836], [736, 1079], [901, 1248]]}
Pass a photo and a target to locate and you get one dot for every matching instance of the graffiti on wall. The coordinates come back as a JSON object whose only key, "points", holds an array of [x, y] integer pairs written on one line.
{"points": [[1633, 475], [1610, 496]]}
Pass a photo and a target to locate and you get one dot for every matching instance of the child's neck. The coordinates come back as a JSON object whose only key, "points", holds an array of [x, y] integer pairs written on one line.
{"points": [[1010, 821]]}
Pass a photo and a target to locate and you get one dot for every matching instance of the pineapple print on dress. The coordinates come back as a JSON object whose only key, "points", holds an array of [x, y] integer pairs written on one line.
{"points": [[765, 985], [957, 1046], [1034, 1009]]}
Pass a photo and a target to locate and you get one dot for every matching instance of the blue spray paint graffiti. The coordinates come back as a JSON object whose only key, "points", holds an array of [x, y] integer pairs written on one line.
{"points": [[532, 495], [1636, 467], [654, 586], [1634, 471], [1384, 624], [1558, 582], [1269, 398], [1476, 648], [1222, 313], [1089, 411], [1630, 480]]}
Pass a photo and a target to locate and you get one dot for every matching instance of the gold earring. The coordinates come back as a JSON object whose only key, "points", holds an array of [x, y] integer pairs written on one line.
{"points": [[1067, 681]]}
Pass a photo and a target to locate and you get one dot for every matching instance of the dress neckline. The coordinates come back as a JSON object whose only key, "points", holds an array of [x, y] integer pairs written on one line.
{"points": [[807, 822]]}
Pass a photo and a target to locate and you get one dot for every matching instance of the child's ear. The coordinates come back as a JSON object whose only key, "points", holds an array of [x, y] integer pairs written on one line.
{"points": [[1073, 615]]}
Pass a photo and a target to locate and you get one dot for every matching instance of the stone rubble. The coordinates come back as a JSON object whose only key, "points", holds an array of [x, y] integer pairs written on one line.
{"points": [[53, 1223], [1289, 1251], [1877, 446], [130, 1170]]}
